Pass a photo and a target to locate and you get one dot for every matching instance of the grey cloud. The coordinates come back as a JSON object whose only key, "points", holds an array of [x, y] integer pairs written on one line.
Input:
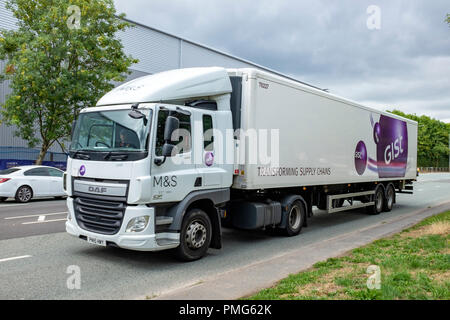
{"points": [[325, 43]]}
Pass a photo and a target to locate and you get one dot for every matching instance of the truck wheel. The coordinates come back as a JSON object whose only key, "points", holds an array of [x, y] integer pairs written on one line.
{"points": [[24, 194], [379, 202], [389, 199], [295, 219], [195, 236]]}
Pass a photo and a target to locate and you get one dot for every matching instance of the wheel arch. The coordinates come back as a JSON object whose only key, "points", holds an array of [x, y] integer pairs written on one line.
{"points": [[286, 203], [206, 200]]}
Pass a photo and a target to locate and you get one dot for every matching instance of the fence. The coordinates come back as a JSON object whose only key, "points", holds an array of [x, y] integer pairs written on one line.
{"points": [[433, 169], [19, 156]]}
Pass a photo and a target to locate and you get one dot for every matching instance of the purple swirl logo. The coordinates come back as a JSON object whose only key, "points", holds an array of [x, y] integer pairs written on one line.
{"points": [[209, 159], [360, 158], [376, 133], [82, 170]]}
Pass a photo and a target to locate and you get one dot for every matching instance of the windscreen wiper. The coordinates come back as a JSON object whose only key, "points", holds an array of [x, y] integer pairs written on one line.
{"points": [[79, 155], [115, 157]]}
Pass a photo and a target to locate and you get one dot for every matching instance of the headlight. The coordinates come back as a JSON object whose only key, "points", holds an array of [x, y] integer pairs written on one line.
{"points": [[137, 224]]}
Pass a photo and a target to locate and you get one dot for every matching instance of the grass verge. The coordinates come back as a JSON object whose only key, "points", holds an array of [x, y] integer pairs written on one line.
{"points": [[413, 264]]}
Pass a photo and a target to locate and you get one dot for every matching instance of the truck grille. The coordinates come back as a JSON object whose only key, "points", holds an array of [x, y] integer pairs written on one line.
{"points": [[99, 216]]}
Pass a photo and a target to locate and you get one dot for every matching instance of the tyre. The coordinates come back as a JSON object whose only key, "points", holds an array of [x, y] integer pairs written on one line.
{"points": [[24, 194], [195, 236], [389, 198], [2, 199], [379, 202], [295, 219]]}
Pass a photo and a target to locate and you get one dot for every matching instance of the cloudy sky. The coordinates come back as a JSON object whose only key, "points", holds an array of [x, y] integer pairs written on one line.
{"points": [[403, 64]]}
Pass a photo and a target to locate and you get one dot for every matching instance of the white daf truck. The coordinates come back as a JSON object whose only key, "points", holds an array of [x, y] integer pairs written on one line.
{"points": [[163, 161]]}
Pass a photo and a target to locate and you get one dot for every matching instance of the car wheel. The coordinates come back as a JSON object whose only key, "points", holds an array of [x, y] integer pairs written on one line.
{"points": [[195, 236], [295, 219], [2, 199], [24, 194]]}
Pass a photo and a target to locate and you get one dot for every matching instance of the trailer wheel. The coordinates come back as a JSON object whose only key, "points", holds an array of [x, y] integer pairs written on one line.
{"points": [[295, 219], [379, 202], [389, 198], [195, 236]]}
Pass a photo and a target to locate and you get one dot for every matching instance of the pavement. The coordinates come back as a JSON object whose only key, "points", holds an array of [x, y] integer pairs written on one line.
{"points": [[41, 266]]}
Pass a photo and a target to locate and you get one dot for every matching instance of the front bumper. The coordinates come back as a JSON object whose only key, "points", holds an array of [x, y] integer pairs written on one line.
{"points": [[146, 240]]}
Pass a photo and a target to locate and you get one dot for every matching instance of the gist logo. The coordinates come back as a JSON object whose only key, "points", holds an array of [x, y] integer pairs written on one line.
{"points": [[393, 150], [392, 147], [360, 157]]}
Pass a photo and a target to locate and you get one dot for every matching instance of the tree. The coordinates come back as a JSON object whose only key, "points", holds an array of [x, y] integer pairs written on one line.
{"points": [[432, 140], [63, 57]]}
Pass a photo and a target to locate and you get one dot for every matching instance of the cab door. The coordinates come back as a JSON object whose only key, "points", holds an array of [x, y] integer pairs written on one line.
{"points": [[209, 164], [176, 176]]}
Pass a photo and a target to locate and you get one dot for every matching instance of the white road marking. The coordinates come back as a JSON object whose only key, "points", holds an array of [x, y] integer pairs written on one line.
{"points": [[41, 218], [36, 215], [34, 222], [14, 258], [13, 205]]}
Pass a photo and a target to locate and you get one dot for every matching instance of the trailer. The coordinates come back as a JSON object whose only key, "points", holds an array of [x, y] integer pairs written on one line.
{"points": [[164, 161]]}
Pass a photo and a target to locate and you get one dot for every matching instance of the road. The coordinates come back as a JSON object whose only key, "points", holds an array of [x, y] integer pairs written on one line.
{"points": [[36, 266]]}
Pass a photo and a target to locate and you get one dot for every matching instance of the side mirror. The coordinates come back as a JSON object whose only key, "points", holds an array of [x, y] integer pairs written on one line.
{"points": [[167, 150], [172, 124]]}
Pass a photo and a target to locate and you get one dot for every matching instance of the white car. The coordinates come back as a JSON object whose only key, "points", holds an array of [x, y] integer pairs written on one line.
{"points": [[27, 182]]}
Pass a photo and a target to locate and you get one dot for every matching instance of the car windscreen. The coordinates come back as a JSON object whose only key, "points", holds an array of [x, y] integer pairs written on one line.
{"points": [[8, 171]]}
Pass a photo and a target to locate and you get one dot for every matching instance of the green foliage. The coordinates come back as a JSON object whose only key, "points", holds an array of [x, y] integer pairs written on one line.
{"points": [[56, 69], [411, 267], [432, 140]]}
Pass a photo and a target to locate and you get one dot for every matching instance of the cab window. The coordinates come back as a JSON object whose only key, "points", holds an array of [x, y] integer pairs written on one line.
{"points": [[208, 137], [184, 143]]}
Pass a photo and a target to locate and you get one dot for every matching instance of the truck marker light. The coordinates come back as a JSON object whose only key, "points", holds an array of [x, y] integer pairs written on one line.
{"points": [[304, 188], [242, 172], [236, 172]]}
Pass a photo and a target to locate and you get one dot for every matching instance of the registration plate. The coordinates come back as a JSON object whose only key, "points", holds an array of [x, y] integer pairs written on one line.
{"points": [[96, 241]]}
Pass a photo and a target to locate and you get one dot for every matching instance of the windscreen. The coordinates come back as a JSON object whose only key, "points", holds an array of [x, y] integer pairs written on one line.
{"points": [[111, 131]]}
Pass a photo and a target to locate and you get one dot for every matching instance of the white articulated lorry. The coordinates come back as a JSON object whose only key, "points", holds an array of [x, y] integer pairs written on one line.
{"points": [[163, 161]]}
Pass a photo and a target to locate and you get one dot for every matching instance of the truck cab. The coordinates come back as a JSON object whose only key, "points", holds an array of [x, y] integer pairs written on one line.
{"points": [[146, 165]]}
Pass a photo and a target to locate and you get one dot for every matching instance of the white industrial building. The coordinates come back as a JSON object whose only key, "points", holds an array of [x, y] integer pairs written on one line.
{"points": [[156, 50]]}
